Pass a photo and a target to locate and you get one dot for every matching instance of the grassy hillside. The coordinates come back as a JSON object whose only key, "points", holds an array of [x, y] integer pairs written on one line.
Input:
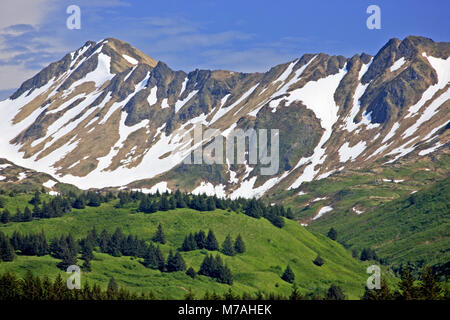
{"points": [[415, 228], [371, 208], [269, 250]]}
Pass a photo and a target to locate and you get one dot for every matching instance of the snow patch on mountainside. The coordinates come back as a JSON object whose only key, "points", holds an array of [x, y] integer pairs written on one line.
{"points": [[100, 75], [322, 211], [349, 125], [130, 59], [210, 190], [442, 68], [398, 64], [318, 96], [346, 153]]}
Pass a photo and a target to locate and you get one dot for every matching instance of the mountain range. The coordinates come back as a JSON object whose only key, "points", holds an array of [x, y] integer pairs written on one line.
{"points": [[108, 115]]}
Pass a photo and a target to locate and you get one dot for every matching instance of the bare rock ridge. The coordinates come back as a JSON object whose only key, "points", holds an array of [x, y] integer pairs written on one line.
{"points": [[107, 115]]}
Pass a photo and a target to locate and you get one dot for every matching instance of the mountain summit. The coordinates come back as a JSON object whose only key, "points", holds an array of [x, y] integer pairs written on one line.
{"points": [[107, 115]]}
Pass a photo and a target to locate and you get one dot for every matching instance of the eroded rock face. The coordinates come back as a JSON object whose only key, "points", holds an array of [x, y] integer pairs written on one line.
{"points": [[109, 115]]}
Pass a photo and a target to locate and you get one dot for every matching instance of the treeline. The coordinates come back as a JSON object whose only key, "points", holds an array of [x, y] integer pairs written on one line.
{"points": [[55, 207], [150, 203], [34, 288], [199, 240], [13, 288], [427, 289], [147, 203]]}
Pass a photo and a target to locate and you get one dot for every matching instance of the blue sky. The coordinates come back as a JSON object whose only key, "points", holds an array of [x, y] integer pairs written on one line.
{"points": [[245, 35]]}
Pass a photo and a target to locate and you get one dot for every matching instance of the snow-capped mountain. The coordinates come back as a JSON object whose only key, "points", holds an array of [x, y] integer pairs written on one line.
{"points": [[107, 115]]}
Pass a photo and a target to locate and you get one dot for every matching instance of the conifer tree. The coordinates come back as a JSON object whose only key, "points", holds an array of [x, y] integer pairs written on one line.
{"points": [[384, 293], [6, 216], [175, 262], [288, 275], [189, 243], [210, 204], [36, 199], [145, 205], [159, 259], [429, 288], [150, 259], [6, 249], [211, 241], [335, 293], [159, 236], [239, 245], [295, 294], [408, 290], [332, 234], [200, 239], [227, 246], [26, 215], [191, 272], [318, 261], [68, 259], [112, 289]]}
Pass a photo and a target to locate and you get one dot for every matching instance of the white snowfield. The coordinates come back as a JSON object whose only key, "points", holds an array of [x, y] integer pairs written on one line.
{"points": [[346, 153], [319, 97], [398, 64], [322, 211], [160, 187], [49, 184], [349, 123], [130, 59], [442, 68], [210, 190]]}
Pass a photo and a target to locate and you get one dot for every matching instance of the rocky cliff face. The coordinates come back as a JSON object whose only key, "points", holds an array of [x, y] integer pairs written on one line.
{"points": [[107, 115]]}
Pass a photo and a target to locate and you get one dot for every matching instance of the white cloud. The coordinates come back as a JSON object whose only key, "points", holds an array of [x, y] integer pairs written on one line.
{"points": [[16, 75], [33, 12]]}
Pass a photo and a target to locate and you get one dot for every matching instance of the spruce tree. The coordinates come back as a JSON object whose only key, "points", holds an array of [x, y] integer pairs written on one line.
{"points": [[159, 236], [211, 242], [384, 293], [27, 215], [150, 259], [210, 204], [6, 249], [295, 294], [429, 288], [159, 259], [239, 245], [335, 293], [288, 275], [175, 262], [227, 246], [112, 289], [332, 234], [36, 199], [191, 272], [200, 239], [68, 259], [318, 261], [6, 216], [408, 290], [79, 203], [189, 243], [145, 205]]}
